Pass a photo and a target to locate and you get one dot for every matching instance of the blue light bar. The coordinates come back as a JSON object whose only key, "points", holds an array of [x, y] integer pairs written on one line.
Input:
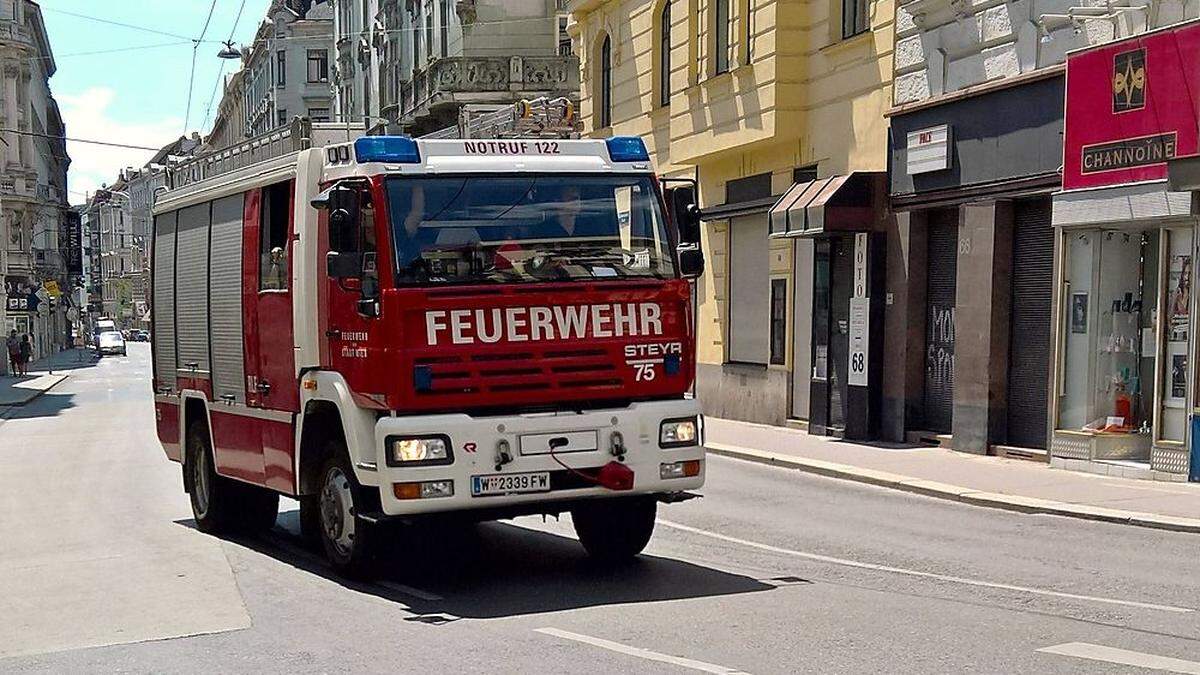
{"points": [[627, 149], [391, 149]]}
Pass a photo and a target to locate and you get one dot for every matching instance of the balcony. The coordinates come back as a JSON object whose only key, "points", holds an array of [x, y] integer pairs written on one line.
{"points": [[18, 187], [12, 33], [432, 99]]}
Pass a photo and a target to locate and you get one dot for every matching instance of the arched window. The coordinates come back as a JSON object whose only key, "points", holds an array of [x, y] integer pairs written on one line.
{"points": [[606, 82], [664, 55]]}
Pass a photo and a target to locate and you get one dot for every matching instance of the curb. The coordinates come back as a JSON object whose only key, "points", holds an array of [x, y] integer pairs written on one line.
{"points": [[957, 493]]}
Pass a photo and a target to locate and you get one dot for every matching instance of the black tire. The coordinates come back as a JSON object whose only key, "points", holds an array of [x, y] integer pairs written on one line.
{"points": [[349, 540], [211, 495], [615, 530]]}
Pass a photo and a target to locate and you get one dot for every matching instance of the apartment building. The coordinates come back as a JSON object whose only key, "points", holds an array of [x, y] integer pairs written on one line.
{"points": [[778, 110], [410, 67], [33, 182]]}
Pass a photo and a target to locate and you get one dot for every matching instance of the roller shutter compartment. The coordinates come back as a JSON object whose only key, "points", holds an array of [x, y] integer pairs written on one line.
{"points": [[225, 299], [191, 302], [163, 298]]}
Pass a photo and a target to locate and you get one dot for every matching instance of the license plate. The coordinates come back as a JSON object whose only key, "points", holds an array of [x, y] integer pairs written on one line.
{"points": [[510, 483]]}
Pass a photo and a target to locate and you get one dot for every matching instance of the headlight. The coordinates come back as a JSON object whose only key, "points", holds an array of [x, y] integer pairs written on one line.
{"points": [[419, 450], [678, 432]]}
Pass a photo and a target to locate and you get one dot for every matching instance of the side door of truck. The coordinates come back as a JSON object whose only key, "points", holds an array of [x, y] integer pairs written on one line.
{"points": [[267, 296]]}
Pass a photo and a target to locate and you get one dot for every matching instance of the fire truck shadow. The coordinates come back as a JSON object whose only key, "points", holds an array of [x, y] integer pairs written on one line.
{"points": [[496, 570]]}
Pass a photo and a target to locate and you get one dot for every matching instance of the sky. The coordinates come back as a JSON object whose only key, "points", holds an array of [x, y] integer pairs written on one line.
{"points": [[129, 85]]}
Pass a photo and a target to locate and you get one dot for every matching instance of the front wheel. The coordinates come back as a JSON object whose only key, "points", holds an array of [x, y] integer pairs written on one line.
{"points": [[347, 538], [615, 530]]}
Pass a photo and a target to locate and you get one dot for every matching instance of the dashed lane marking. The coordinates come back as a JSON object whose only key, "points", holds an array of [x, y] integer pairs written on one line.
{"points": [[639, 652], [923, 575], [1123, 657]]}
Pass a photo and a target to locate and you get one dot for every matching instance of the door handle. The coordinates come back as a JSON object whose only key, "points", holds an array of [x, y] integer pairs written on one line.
{"points": [[229, 398], [264, 387]]}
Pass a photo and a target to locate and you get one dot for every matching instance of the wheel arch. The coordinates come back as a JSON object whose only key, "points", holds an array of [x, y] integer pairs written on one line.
{"points": [[329, 411]]}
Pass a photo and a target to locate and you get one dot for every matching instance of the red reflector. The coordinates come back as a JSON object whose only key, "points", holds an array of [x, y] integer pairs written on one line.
{"points": [[615, 476]]}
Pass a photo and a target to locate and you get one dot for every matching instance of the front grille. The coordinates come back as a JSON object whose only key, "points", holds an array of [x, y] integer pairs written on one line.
{"points": [[554, 369]]}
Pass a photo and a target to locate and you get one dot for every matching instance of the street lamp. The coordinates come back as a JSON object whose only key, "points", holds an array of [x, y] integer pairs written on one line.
{"points": [[229, 52]]}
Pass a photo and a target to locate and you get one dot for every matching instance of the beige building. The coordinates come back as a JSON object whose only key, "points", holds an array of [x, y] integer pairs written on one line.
{"points": [[763, 102]]}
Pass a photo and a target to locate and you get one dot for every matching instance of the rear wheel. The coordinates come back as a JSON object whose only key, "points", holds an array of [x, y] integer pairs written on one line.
{"points": [[615, 530], [348, 539], [211, 495]]}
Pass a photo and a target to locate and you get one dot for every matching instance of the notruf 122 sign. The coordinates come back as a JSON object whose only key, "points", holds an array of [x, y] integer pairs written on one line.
{"points": [[1132, 106]]}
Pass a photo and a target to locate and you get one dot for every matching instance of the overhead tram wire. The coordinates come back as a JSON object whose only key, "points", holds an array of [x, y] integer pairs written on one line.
{"points": [[145, 29], [221, 73], [89, 141], [187, 115]]}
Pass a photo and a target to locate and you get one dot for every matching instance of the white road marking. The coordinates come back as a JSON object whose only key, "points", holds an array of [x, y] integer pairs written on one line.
{"points": [[1124, 657], [409, 590], [640, 653], [924, 575]]}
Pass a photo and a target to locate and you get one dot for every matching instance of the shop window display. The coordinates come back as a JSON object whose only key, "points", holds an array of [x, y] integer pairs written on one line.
{"points": [[1127, 296]]}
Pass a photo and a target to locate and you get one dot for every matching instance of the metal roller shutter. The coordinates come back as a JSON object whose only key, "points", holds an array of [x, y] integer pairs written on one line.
{"points": [[191, 301], [163, 300], [941, 292], [1029, 344], [225, 299]]}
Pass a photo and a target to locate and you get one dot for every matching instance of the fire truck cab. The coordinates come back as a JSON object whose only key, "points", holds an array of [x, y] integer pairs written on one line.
{"points": [[395, 328]]}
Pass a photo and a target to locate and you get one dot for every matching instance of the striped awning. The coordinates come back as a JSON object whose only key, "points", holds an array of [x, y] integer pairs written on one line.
{"points": [[839, 203]]}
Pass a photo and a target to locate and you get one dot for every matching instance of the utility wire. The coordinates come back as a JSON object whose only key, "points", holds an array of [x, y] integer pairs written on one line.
{"points": [[88, 141], [112, 51], [116, 23], [221, 73], [187, 115]]}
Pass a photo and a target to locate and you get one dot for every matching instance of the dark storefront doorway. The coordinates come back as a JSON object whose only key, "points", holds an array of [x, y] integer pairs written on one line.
{"points": [[1029, 342], [941, 292], [832, 286]]}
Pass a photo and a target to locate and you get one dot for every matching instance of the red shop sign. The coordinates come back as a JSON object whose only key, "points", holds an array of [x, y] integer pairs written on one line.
{"points": [[1132, 106]]}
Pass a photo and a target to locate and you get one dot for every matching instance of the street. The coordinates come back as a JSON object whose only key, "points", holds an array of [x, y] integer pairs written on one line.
{"points": [[772, 571]]}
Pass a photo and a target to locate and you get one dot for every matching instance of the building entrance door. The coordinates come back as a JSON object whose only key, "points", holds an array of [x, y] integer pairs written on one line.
{"points": [[941, 292]]}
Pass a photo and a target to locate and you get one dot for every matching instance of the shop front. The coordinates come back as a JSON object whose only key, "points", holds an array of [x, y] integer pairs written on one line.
{"points": [[970, 257], [1126, 240], [840, 222]]}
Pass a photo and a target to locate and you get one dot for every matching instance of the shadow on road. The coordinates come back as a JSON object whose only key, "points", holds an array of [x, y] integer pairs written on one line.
{"points": [[496, 570], [48, 404]]}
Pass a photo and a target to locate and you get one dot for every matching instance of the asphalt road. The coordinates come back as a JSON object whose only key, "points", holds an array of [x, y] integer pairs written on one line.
{"points": [[773, 571]]}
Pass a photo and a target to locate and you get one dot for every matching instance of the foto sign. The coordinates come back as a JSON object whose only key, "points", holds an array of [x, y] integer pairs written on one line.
{"points": [[860, 316], [929, 150]]}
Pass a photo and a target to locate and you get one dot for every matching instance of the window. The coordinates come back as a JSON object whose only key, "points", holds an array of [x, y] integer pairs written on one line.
{"points": [[804, 174], [564, 38], [282, 118], [721, 36], [280, 68], [749, 305], [855, 18], [273, 238], [664, 55], [429, 33], [318, 65], [778, 321], [445, 6], [606, 82]]}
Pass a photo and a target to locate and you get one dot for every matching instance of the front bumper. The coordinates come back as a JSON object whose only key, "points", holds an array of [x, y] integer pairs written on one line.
{"points": [[474, 441]]}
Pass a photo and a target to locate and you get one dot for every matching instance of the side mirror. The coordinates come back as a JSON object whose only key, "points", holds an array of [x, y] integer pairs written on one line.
{"points": [[341, 265], [691, 261], [686, 214], [343, 208]]}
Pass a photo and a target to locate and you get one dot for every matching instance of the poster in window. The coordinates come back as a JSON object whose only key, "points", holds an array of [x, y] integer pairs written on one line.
{"points": [[1178, 375], [1079, 312], [1181, 296]]}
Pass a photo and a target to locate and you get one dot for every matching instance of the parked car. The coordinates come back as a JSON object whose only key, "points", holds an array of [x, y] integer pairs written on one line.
{"points": [[110, 342], [142, 336]]}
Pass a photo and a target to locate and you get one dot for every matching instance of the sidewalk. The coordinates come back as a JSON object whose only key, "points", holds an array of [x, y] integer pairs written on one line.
{"points": [[22, 390], [1012, 484]]}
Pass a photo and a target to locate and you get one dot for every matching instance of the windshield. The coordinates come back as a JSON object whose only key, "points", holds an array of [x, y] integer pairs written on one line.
{"points": [[557, 227]]}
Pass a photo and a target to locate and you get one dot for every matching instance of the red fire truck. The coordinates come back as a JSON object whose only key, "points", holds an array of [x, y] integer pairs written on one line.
{"points": [[388, 328]]}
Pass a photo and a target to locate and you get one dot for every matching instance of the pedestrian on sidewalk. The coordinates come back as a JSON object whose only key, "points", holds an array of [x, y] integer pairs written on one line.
{"points": [[13, 348], [24, 354]]}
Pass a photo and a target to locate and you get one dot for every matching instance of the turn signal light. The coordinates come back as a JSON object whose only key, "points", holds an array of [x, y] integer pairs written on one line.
{"points": [[686, 469], [423, 490]]}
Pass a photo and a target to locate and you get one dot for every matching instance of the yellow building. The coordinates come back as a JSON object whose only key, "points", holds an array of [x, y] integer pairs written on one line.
{"points": [[765, 103]]}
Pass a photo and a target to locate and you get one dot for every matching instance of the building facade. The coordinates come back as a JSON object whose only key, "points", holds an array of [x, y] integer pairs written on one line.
{"points": [[976, 146], [777, 109], [411, 66], [285, 73], [1125, 224], [33, 183]]}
